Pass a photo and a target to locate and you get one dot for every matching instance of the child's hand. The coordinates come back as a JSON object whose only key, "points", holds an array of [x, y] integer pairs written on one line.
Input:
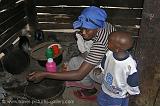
{"points": [[97, 71], [36, 76], [128, 95]]}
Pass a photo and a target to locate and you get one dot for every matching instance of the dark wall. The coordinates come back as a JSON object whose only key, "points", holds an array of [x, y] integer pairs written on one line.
{"points": [[148, 55], [31, 14], [12, 19], [62, 17], [125, 15], [13, 12]]}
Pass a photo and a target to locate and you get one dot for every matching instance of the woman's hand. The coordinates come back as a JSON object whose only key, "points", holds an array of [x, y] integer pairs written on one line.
{"points": [[64, 67], [36, 76]]}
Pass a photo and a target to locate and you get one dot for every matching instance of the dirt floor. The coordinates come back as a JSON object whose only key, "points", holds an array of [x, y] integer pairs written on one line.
{"points": [[16, 97]]}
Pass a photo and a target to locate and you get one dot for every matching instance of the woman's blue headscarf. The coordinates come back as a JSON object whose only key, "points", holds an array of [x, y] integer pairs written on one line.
{"points": [[91, 18]]}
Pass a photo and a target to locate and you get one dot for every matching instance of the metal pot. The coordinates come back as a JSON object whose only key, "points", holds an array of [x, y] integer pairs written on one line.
{"points": [[47, 88], [16, 61]]}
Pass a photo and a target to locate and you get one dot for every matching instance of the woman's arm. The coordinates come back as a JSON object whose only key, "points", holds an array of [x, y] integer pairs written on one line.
{"points": [[78, 74]]}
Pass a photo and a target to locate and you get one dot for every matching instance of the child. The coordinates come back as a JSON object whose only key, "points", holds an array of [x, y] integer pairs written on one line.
{"points": [[120, 73]]}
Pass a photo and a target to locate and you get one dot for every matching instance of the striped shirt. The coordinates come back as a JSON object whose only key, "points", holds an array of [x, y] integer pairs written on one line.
{"points": [[99, 47]]}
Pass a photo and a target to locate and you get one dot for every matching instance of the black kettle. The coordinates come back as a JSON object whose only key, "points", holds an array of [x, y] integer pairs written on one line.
{"points": [[24, 44]]}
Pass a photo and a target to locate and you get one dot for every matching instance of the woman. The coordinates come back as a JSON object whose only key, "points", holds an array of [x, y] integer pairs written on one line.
{"points": [[93, 26]]}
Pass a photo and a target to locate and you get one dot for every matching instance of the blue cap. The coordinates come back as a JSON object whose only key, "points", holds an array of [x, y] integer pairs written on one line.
{"points": [[91, 18]]}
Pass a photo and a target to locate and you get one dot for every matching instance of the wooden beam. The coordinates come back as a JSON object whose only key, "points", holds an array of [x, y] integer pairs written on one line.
{"points": [[12, 30], [51, 26], [114, 3], [113, 12], [8, 42], [7, 3], [11, 11], [11, 21], [119, 21], [148, 55]]}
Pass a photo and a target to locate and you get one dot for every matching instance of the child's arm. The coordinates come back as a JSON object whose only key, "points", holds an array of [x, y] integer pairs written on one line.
{"points": [[133, 82]]}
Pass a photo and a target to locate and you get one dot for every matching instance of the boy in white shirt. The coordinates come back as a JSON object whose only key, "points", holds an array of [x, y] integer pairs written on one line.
{"points": [[120, 74]]}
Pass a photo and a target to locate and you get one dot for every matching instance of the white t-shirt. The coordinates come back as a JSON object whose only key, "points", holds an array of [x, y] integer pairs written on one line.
{"points": [[120, 77]]}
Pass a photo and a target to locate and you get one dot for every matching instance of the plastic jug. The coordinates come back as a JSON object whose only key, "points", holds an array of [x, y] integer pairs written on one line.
{"points": [[51, 65], [49, 53]]}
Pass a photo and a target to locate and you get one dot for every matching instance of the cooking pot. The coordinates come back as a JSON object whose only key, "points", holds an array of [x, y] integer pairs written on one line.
{"points": [[24, 44], [47, 88], [38, 53], [16, 61]]}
